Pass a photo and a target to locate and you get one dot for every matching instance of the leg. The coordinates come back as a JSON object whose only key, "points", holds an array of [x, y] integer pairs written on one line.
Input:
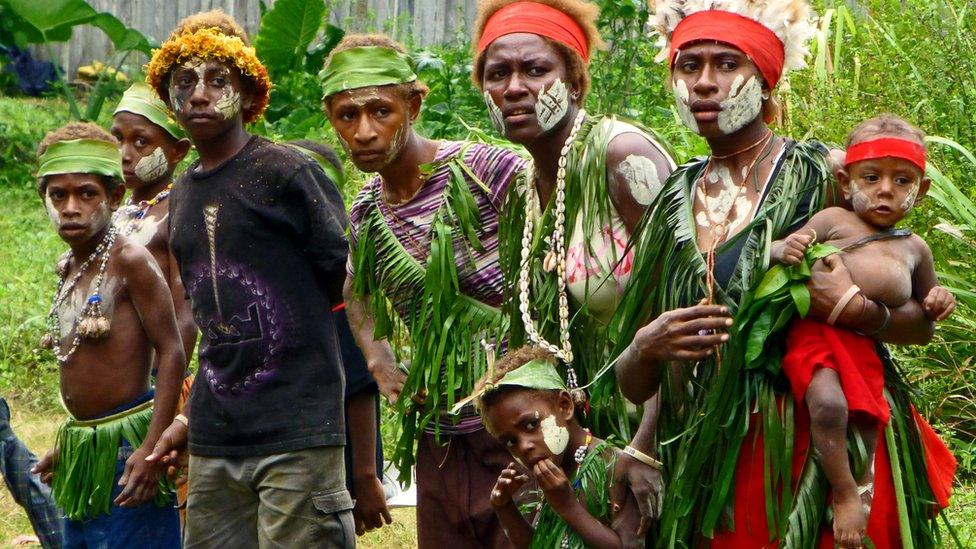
{"points": [[303, 501], [438, 491], [221, 506], [868, 429], [828, 426]]}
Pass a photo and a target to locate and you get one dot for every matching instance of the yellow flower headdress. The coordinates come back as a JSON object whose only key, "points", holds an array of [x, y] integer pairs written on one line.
{"points": [[211, 43]]}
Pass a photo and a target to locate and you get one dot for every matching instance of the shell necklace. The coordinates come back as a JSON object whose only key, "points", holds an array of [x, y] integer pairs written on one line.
{"points": [[131, 214]]}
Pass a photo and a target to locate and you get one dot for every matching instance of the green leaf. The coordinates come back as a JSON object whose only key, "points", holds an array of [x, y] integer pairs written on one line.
{"points": [[801, 297], [122, 37], [774, 279], [52, 17], [286, 31], [758, 333]]}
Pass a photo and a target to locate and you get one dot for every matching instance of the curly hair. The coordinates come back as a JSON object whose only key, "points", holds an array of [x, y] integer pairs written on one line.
{"points": [[217, 18], [350, 41], [72, 131], [886, 124], [584, 13], [511, 361]]}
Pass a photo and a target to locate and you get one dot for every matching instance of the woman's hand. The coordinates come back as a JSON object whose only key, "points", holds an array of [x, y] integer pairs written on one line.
{"points": [[644, 482], [828, 282], [685, 334]]}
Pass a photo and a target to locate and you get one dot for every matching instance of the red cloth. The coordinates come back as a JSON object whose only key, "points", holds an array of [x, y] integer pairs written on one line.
{"points": [[813, 345], [535, 18], [940, 464], [747, 35], [886, 147]]}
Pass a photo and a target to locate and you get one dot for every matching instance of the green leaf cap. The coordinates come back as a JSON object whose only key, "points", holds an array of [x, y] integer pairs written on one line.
{"points": [[142, 100], [81, 156], [365, 67], [534, 374]]}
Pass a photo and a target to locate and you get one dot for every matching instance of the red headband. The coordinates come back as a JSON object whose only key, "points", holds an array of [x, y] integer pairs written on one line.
{"points": [[886, 147], [747, 35], [535, 18]]}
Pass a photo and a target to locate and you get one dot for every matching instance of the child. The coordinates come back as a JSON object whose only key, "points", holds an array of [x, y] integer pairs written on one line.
{"points": [[837, 372], [112, 313], [526, 406]]}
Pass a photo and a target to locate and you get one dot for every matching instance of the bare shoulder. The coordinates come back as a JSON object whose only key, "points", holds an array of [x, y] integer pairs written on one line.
{"points": [[920, 247], [833, 213], [630, 143], [135, 261]]}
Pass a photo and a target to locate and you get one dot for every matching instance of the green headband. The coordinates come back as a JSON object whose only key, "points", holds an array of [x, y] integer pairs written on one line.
{"points": [[142, 100], [535, 374], [81, 156], [365, 67]]}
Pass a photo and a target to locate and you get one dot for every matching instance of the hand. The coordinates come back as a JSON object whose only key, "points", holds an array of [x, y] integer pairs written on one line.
{"points": [[554, 484], [389, 377], [509, 482], [691, 333], [828, 282], [370, 511], [791, 249], [45, 467], [140, 480], [644, 482], [170, 452], [939, 304]]}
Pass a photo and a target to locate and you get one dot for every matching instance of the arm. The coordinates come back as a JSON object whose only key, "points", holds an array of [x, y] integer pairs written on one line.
{"points": [[819, 228], [552, 479], [636, 172], [370, 511], [644, 482], [320, 221], [517, 529], [380, 360], [181, 306], [937, 302]]}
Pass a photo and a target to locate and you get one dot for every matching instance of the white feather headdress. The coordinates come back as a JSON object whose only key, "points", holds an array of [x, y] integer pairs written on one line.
{"points": [[790, 20]]}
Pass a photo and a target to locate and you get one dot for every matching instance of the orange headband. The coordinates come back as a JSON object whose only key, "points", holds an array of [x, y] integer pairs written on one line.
{"points": [[535, 18], [886, 147]]}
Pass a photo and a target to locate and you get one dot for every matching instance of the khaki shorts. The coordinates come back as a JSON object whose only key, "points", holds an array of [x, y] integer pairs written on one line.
{"points": [[295, 499]]}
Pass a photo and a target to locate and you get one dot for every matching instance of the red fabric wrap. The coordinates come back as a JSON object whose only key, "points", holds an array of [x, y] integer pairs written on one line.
{"points": [[535, 18], [940, 464], [886, 147], [747, 35]]}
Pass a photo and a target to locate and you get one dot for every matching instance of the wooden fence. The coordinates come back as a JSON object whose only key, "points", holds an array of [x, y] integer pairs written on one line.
{"points": [[423, 22]]}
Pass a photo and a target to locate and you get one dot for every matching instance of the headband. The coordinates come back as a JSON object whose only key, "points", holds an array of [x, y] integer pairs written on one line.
{"points": [[537, 374], [81, 156], [535, 18], [882, 147], [749, 36], [211, 43], [142, 100], [365, 67]]}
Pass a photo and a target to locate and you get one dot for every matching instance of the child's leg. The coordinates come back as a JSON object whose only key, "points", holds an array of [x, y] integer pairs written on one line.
{"points": [[868, 429], [828, 428]]}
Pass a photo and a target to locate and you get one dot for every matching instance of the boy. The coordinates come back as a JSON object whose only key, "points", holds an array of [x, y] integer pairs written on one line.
{"points": [[258, 233], [526, 406], [835, 370], [112, 313]]}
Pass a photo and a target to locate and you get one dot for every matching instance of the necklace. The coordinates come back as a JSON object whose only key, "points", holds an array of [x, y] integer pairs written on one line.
{"points": [[580, 454], [747, 149], [91, 323], [131, 214], [555, 260]]}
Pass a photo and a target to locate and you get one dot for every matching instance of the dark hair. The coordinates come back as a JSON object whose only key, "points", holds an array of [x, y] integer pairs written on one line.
{"points": [[72, 131], [885, 124]]}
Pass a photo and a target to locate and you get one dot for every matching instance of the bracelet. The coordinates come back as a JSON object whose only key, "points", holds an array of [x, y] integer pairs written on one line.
{"points": [[182, 419], [643, 458], [842, 302], [884, 323]]}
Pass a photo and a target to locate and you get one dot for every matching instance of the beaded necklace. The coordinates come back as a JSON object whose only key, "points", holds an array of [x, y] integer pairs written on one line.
{"points": [[131, 214]]}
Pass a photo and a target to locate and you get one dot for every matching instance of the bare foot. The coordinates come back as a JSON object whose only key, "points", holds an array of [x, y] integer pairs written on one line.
{"points": [[850, 521], [24, 539]]}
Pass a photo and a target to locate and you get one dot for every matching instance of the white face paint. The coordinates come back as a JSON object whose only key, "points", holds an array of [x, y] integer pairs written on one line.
{"points": [[910, 198], [229, 103], [729, 208], [397, 143], [640, 173], [860, 200], [52, 212], [361, 96], [552, 105], [742, 106], [555, 436], [497, 118], [152, 166], [681, 96]]}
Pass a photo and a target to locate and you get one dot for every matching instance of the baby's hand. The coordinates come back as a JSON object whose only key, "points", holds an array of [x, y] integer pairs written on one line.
{"points": [[507, 484], [939, 304], [555, 486], [790, 250]]}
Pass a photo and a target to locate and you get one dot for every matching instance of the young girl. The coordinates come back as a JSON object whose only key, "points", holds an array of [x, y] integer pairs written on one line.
{"points": [[526, 406]]}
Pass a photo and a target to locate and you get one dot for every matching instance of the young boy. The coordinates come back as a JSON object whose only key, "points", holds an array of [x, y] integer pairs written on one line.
{"points": [[112, 313], [258, 233], [526, 406], [837, 372]]}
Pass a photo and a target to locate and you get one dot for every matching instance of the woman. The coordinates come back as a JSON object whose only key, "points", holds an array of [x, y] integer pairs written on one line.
{"points": [[564, 240], [707, 239]]}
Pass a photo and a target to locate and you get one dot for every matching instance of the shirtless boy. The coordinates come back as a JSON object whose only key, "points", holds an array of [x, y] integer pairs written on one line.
{"points": [[837, 372], [112, 313]]}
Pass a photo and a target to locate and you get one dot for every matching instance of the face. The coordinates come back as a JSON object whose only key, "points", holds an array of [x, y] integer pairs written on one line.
{"points": [[531, 424], [149, 153], [717, 88], [79, 206], [207, 97], [883, 190], [527, 87], [373, 124]]}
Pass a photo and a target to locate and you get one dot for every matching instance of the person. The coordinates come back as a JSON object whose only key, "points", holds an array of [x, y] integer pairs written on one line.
{"points": [[257, 232], [705, 249], [110, 320], [527, 407], [565, 237], [423, 238], [836, 373]]}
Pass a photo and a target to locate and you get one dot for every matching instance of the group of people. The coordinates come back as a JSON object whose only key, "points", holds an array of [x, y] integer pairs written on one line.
{"points": [[585, 343]]}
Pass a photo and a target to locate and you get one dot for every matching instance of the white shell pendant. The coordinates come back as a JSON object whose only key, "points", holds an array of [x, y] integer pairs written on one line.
{"points": [[550, 261]]}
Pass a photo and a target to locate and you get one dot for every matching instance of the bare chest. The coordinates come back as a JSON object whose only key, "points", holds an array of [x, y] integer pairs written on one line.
{"points": [[883, 270]]}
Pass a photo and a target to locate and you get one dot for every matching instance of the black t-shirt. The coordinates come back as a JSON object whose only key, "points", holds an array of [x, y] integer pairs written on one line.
{"points": [[259, 241]]}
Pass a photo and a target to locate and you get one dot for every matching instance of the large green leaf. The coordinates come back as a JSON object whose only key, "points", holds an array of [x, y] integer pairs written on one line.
{"points": [[122, 37], [286, 31], [55, 19]]}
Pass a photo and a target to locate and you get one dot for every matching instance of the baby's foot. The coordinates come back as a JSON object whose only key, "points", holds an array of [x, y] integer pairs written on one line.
{"points": [[850, 521]]}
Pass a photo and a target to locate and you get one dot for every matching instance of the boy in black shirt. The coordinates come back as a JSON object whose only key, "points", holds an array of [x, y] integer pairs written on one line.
{"points": [[258, 233]]}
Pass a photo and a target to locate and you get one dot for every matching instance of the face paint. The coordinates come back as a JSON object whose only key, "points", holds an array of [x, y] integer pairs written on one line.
{"points": [[173, 97], [152, 166], [681, 96], [910, 198], [360, 97], [641, 176], [552, 105], [742, 106], [860, 200], [229, 103], [52, 212], [730, 208], [397, 143], [497, 118], [555, 436]]}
